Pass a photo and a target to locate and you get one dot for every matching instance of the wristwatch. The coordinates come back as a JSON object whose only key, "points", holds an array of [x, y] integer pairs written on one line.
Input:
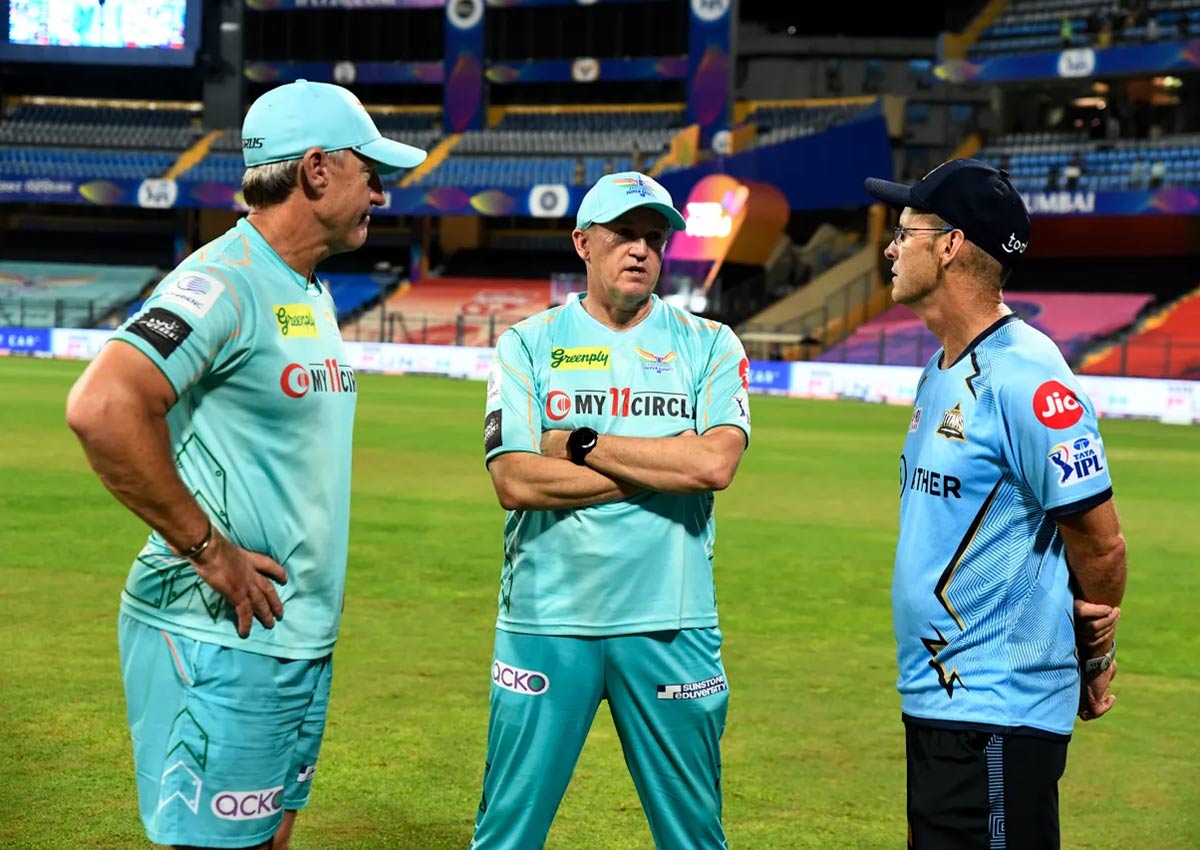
{"points": [[581, 441], [1096, 666]]}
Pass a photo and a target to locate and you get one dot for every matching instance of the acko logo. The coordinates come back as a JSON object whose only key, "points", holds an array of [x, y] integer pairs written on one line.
{"points": [[594, 358], [519, 681], [248, 805], [1056, 406]]}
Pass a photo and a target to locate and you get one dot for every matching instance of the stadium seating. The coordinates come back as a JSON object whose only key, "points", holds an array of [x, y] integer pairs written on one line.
{"points": [[81, 163], [520, 170], [1036, 161], [81, 126], [781, 122], [224, 164], [452, 311], [1073, 320], [1036, 25], [1166, 346], [36, 295]]}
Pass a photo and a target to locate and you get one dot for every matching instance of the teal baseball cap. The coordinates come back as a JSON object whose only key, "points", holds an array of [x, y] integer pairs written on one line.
{"points": [[289, 119], [616, 194]]}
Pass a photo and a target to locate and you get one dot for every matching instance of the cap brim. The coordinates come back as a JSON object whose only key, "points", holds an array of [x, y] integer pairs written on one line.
{"points": [[895, 195], [673, 216], [392, 155]]}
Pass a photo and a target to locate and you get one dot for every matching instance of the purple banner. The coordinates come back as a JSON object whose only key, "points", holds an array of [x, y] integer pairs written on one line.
{"points": [[586, 69], [710, 66], [462, 96], [344, 73], [1075, 63]]}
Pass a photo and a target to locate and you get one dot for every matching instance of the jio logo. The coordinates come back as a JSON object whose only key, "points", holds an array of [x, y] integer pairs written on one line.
{"points": [[1056, 406]]}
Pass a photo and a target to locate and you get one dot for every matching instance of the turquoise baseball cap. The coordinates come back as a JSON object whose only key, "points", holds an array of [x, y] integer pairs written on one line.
{"points": [[289, 119], [616, 194]]}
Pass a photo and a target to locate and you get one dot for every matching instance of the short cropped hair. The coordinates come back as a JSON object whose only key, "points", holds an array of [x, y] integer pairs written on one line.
{"points": [[270, 184], [978, 263]]}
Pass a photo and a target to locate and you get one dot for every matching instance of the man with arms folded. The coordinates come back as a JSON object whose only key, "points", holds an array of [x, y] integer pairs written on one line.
{"points": [[222, 415], [610, 422], [1006, 515]]}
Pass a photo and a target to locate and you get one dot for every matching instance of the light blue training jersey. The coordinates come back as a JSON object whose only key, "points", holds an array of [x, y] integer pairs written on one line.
{"points": [[640, 564], [261, 434], [1000, 443]]}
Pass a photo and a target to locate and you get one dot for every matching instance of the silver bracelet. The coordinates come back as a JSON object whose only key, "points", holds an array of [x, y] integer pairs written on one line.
{"points": [[199, 548]]}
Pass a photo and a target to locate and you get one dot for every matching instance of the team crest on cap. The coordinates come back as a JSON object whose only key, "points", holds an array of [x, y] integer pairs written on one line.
{"points": [[634, 186]]}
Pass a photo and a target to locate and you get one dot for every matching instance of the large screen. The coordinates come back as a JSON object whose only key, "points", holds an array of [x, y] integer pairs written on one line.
{"points": [[121, 32]]}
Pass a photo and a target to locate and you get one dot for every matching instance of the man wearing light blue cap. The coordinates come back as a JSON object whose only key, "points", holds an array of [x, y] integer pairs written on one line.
{"points": [[610, 421], [222, 416]]}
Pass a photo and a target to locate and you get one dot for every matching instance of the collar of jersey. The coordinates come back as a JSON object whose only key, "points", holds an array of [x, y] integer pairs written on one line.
{"points": [[984, 334], [251, 232]]}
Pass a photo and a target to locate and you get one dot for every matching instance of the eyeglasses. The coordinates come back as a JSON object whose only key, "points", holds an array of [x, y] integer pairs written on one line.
{"points": [[898, 232]]}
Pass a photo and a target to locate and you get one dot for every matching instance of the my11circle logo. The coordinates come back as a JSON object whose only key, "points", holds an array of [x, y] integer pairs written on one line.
{"points": [[1056, 406]]}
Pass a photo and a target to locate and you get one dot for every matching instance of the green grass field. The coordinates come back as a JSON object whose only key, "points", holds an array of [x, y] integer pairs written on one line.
{"points": [[813, 754]]}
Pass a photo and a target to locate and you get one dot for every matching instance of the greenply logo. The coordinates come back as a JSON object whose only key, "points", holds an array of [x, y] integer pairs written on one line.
{"points": [[296, 320], [519, 681], [593, 358]]}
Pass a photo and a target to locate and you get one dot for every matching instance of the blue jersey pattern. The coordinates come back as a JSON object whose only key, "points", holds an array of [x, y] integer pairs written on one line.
{"points": [[999, 444]]}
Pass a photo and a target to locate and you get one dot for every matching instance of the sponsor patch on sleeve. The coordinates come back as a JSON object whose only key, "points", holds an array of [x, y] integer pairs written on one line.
{"points": [[1075, 461], [164, 330], [193, 292], [492, 436], [495, 376]]}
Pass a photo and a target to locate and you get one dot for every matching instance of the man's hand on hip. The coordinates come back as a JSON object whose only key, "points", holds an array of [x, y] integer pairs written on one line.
{"points": [[244, 579]]}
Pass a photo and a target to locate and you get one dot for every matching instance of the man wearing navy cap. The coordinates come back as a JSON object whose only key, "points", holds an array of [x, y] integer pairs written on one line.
{"points": [[222, 416], [610, 422], [1007, 525]]}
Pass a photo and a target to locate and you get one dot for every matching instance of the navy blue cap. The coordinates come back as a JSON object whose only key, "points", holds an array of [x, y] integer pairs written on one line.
{"points": [[972, 196]]}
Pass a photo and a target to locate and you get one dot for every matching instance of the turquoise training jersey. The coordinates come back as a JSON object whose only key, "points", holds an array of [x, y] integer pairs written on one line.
{"points": [[634, 565], [261, 433], [1001, 442]]}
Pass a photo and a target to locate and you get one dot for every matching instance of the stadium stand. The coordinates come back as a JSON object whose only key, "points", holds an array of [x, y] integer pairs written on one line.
{"points": [[781, 122], [1166, 345], [1073, 320], [1042, 161], [1038, 25], [452, 311], [64, 295]]}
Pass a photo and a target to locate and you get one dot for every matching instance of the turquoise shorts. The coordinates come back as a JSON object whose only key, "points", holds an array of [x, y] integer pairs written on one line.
{"points": [[224, 741], [668, 697]]}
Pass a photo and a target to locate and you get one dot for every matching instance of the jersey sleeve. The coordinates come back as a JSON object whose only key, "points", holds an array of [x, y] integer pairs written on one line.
{"points": [[513, 421], [723, 395], [189, 326], [1053, 438]]}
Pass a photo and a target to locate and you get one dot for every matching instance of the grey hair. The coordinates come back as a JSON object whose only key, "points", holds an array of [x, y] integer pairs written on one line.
{"points": [[271, 183]]}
